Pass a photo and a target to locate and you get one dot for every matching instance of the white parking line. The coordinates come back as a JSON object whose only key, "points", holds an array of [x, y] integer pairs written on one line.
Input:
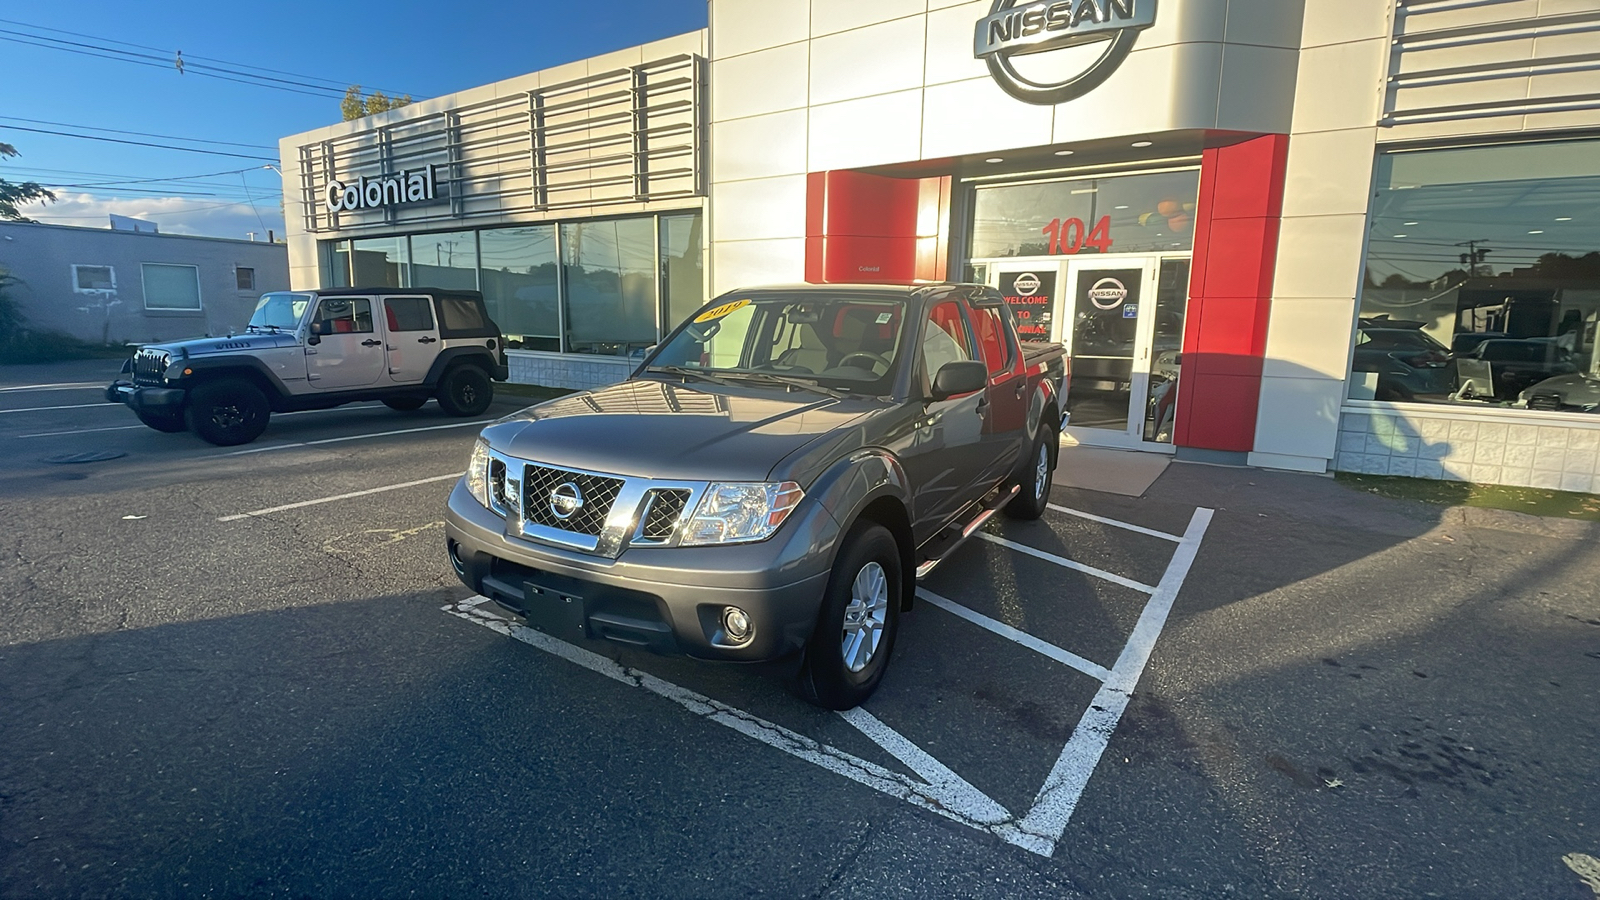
{"points": [[1053, 806], [1065, 563], [60, 386], [321, 500], [1065, 657], [303, 412], [356, 437], [1114, 522], [49, 408]]}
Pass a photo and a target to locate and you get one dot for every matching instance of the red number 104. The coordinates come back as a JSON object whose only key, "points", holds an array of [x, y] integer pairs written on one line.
{"points": [[1069, 237]]}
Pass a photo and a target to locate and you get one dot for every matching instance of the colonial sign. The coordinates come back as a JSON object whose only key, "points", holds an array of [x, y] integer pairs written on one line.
{"points": [[1016, 28], [386, 190]]}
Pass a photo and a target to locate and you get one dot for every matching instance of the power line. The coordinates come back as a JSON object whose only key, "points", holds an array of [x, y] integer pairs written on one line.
{"points": [[170, 137], [93, 137], [323, 92]]}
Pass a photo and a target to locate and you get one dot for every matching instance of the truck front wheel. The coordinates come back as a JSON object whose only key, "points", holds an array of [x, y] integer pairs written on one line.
{"points": [[465, 391], [228, 411], [860, 615]]}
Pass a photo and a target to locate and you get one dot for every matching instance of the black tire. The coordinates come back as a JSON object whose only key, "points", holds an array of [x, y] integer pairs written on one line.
{"points": [[165, 422], [405, 404], [827, 678], [1030, 502], [465, 391], [228, 411]]}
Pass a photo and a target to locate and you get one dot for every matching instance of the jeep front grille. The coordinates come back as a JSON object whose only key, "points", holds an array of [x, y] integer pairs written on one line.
{"points": [[149, 366], [597, 492], [661, 517]]}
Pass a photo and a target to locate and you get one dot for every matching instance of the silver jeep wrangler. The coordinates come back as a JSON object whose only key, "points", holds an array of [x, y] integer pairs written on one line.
{"points": [[317, 350]]}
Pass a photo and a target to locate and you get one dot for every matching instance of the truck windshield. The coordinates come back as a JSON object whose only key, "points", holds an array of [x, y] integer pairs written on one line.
{"points": [[280, 311], [850, 342]]}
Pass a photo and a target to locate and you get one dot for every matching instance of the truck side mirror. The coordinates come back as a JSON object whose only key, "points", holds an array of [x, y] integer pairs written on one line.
{"points": [[960, 377], [313, 338]]}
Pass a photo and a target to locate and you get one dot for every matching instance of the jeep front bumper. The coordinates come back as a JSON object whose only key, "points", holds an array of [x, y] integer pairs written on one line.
{"points": [[137, 397], [666, 599]]}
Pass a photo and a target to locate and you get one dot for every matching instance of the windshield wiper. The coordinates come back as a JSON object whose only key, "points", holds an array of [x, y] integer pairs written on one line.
{"points": [[270, 329], [791, 381], [692, 373]]}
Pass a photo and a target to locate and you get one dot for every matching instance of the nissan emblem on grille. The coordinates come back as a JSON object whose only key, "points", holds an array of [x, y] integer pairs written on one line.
{"points": [[565, 500]]}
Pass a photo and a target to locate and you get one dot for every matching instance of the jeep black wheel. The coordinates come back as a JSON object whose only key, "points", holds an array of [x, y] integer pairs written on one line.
{"points": [[465, 391], [405, 404], [168, 422], [849, 650], [1030, 502], [228, 412]]}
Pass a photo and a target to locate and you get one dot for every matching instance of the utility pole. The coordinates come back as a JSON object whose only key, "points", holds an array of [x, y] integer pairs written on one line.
{"points": [[1474, 256]]}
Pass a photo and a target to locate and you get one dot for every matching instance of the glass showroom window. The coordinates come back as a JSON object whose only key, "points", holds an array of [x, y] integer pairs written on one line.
{"points": [[682, 269], [171, 287], [380, 262], [520, 285], [610, 272], [334, 259], [1144, 213], [1482, 285], [448, 260]]}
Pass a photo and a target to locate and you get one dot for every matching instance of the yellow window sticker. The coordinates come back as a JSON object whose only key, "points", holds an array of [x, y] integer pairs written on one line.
{"points": [[717, 312]]}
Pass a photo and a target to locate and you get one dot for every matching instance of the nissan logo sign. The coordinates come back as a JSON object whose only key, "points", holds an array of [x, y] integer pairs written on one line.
{"points": [[565, 500], [1026, 283], [1014, 29], [1108, 293]]}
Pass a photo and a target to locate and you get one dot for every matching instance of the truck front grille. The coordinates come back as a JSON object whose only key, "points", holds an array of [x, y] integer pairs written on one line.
{"points": [[149, 366], [598, 493], [666, 507]]}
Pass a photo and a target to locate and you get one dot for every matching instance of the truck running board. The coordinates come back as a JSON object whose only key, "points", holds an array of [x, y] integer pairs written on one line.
{"points": [[954, 536]]}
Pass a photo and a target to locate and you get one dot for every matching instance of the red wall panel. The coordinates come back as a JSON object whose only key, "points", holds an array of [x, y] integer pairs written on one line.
{"points": [[872, 228]]}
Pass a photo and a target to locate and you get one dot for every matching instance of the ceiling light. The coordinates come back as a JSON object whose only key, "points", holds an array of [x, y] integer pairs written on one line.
{"points": [[1399, 235], [1064, 152], [1121, 207], [1142, 143], [1085, 190], [1536, 231], [1563, 218], [994, 159], [1410, 223]]}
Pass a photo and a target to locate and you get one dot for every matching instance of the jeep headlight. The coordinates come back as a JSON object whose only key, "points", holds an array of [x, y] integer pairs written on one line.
{"points": [[740, 512], [477, 476]]}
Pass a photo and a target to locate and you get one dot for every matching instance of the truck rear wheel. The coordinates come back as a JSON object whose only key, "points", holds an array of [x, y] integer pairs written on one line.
{"points": [[166, 422], [465, 391], [860, 615], [1031, 501], [228, 411]]}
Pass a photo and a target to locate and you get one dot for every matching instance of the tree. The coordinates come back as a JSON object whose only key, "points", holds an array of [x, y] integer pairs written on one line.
{"points": [[13, 195], [354, 106]]}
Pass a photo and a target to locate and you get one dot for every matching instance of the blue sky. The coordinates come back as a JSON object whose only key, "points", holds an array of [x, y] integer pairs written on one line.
{"points": [[426, 49]]}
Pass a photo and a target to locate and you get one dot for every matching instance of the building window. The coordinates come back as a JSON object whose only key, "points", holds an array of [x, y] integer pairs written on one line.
{"points": [[1150, 212], [380, 262], [245, 278], [448, 260], [171, 287], [521, 285], [609, 269], [93, 278], [1482, 282], [335, 263], [683, 280]]}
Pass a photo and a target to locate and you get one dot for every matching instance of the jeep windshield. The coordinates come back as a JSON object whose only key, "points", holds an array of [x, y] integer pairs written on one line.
{"points": [[279, 312], [846, 342]]}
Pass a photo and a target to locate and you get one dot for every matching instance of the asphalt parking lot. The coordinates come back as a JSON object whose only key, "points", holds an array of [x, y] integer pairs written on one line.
{"points": [[250, 672]]}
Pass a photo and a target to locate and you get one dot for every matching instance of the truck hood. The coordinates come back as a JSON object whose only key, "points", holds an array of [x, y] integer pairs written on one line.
{"points": [[213, 346], [652, 429]]}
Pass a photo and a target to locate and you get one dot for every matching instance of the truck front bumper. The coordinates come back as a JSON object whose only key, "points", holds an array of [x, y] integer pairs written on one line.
{"points": [[136, 398], [668, 600]]}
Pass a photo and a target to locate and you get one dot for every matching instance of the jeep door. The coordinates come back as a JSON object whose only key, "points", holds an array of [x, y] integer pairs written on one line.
{"points": [[347, 352], [411, 338], [943, 456]]}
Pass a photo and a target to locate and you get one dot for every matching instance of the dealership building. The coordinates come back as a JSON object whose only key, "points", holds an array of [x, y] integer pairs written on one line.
{"points": [[1315, 235]]}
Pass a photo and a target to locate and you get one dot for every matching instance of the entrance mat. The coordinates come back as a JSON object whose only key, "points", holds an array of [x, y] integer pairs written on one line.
{"points": [[1125, 472]]}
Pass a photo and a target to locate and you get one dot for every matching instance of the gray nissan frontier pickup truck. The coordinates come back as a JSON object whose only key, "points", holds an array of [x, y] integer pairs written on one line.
{"points": [[771, 481]]}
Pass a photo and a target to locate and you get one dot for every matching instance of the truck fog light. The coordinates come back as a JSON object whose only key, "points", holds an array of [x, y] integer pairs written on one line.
{"points": [[736, 622], [455, 558]]}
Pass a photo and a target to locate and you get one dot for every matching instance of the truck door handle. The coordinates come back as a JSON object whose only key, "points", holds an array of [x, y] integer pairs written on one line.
{"points": [[1022, 388], [426, 340], [370, 343]]}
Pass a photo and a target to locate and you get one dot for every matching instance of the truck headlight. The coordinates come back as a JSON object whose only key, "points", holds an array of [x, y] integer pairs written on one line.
{"points": [[478, 472], [740, 512]]}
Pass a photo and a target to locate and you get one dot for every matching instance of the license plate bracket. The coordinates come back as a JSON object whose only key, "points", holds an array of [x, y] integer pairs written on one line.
{"points": [[560, 614]]}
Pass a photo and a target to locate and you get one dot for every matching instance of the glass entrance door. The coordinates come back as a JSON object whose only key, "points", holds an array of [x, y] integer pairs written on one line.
{"points": [[1123, 327]]}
